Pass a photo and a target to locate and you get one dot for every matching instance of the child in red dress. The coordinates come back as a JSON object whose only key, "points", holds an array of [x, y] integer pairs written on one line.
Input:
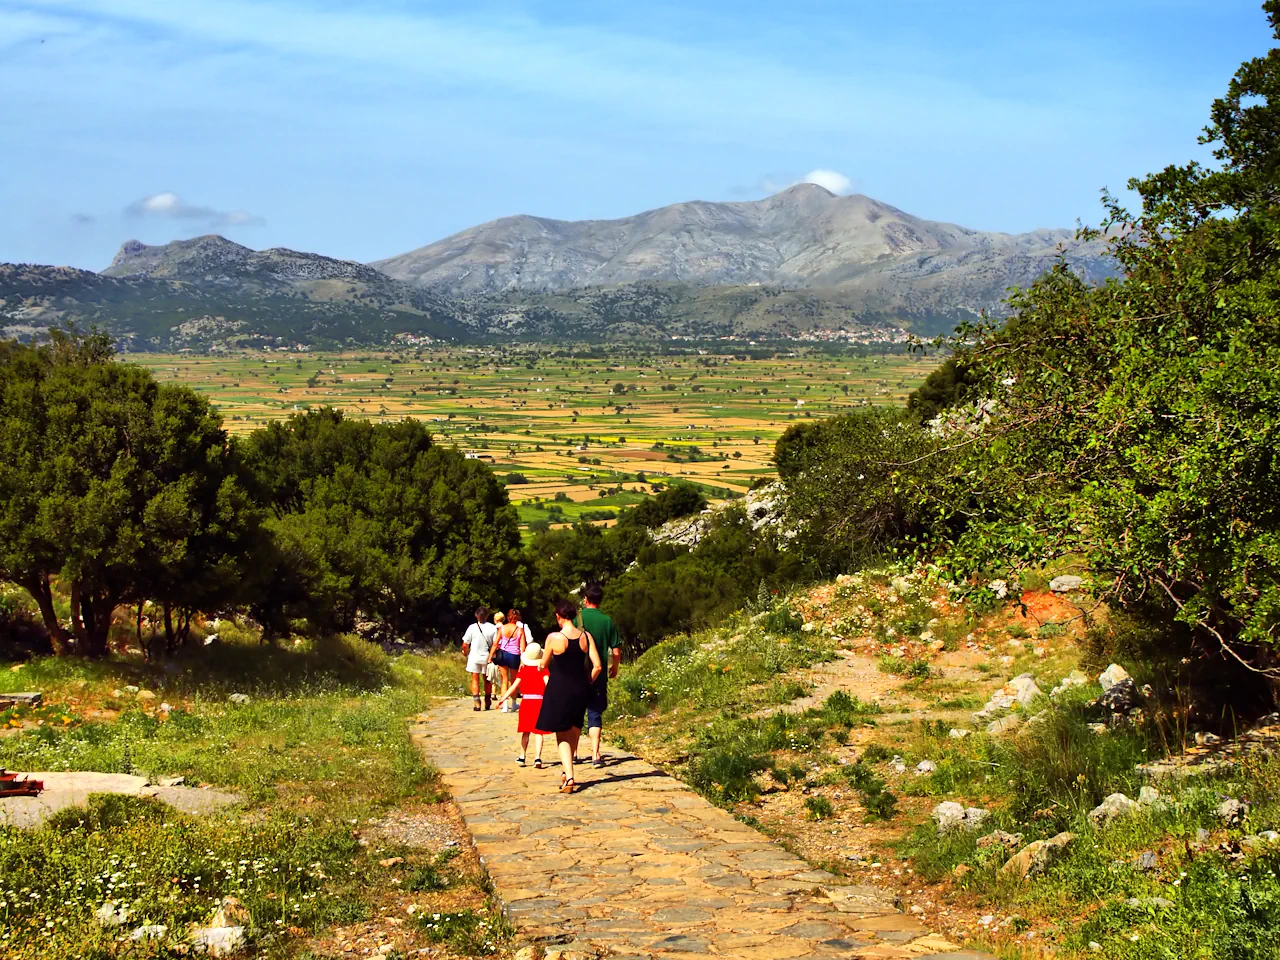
{"points": [[531, 681]]}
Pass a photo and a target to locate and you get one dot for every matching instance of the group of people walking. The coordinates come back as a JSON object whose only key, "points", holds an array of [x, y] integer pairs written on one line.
{"points": [[560, 686]]}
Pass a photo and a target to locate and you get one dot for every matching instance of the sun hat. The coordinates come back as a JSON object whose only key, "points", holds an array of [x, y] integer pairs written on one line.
{"points": [[532, 655]]}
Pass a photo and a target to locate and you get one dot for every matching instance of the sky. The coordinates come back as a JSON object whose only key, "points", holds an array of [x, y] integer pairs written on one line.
{"points": [[365, 128]]}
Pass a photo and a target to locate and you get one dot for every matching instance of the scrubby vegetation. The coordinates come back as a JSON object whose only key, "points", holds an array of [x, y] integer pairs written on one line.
{"points": [[315, 741]]}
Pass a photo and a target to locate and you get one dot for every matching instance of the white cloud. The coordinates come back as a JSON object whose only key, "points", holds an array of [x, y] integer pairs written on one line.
{"points": [[169, 204], [831, 180]]}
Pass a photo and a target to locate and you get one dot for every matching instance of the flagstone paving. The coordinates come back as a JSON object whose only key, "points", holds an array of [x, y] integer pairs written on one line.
{"points": [[635, 864]]}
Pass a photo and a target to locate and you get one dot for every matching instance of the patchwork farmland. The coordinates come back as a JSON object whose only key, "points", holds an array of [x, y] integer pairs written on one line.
{"points": [[578, 435]]}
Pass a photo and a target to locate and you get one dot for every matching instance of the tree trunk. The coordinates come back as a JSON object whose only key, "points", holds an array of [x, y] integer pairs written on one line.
{"points": [[170, 643], [77, 621], [42, 593], [96, 615]]}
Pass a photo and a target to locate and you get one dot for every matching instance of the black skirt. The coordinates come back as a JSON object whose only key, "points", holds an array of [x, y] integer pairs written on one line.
{"points": [[564, 704]]}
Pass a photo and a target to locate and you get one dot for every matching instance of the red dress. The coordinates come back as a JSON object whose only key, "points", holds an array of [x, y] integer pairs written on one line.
{"points": [[533, 684]]}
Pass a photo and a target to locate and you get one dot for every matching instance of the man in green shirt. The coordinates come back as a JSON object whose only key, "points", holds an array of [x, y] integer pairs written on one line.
{"points": [[609, 645]]}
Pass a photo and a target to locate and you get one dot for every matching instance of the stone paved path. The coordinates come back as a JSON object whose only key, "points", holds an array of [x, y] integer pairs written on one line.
{"points": [[638, 865]]}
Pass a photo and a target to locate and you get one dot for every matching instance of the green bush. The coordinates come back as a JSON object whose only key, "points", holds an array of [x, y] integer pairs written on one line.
{"points": [[818, 808]]}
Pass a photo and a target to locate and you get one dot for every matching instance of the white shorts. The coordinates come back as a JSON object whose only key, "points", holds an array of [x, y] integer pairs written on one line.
{"points": [[475, 666]]}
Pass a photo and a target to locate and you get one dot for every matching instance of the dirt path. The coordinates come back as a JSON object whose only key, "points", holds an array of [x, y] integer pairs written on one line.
{"points": [[638, 865]]}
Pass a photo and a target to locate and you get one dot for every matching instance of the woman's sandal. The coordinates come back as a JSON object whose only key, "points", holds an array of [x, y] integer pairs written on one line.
{"points": [[568, 786]]}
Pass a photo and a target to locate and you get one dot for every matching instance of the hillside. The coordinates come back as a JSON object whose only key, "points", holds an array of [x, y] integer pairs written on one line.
{"points": [[159, 312], [802, 238], [803, 260]]}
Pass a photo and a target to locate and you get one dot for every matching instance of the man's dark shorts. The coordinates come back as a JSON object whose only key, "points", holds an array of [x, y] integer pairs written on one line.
{"points": [[598, 702]]}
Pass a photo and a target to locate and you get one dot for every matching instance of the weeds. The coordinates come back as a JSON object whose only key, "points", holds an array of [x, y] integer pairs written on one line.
{"points": [[818, 808]]}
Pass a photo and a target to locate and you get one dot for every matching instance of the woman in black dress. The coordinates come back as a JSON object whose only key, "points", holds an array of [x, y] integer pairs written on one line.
{"points": [[571, 658]]}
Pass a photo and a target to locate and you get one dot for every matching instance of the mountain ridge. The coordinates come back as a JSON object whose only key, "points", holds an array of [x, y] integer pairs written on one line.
{"points": [[801, 260], [803, 237]]}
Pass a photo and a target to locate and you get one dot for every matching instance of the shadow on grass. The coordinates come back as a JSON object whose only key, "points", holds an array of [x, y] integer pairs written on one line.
{"points": [[329, 664]]}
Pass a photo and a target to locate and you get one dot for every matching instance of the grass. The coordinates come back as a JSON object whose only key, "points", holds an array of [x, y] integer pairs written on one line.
{"points": [[720, 667], [320, 749]]}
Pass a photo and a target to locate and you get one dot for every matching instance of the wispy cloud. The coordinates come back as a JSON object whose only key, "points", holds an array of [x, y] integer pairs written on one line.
{"points": [[832, 180], [772, 183], [169, 205], [83, 219]]}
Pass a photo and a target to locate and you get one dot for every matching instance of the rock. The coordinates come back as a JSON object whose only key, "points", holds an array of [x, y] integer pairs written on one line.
{"points": [[1095, 946], [1075, 678], [998, 838], [230, 913], [1036, 857], [961, 870], [218, 941], [1202, 835], [1112, 675], [1121, 698], [238, 698], [952, 816], [1021, 689], [975, 817], [1112, 808], [1147, 861], [925, 766], [392, 861], [955, 734], [1232, 811], [1148, 795], [173, 781], [131, 688], [1098, 728], [166, 708], [29, 698], [111, 914], [150, 931], [809, 627], [949, 816], [1000, 588], [1003, 725], [1207, 739], [529, 953], [145, 695], [1260, 840], [1150, 903], [1066, 583], [1024, 687]]}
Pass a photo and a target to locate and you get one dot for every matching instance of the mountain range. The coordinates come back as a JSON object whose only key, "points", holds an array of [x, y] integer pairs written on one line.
{"points": [[801, 259]]}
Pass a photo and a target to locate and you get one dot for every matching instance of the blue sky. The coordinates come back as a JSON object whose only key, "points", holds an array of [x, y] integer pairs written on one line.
{"points": [[364, 129]]}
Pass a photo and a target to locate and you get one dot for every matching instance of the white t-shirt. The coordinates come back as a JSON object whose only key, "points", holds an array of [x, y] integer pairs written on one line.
{"points": [[480, 637]]}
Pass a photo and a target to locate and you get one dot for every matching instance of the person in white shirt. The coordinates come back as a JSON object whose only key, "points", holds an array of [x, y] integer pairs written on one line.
{"points": [[475, 644]]}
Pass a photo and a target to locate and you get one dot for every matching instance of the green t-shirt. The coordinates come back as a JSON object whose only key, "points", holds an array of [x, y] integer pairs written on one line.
{"points": [[601, 627]]}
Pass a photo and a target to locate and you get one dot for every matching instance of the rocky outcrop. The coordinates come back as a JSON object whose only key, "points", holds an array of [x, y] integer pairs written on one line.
{"points": [[1036, 857]]}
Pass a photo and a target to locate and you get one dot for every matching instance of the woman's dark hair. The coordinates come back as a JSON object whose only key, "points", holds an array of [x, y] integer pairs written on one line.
{"points": [[482, 613], [566, 610], [513, 616]]}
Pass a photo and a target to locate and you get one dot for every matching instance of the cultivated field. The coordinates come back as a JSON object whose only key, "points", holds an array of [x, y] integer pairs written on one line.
{"points": [[587, 431]]}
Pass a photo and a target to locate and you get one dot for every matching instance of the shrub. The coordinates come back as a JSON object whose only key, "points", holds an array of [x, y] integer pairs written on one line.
{"points": [[818, 808]]}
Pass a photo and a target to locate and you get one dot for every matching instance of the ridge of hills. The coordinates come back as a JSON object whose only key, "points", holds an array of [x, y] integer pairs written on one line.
{"points": [[803, 237], [801, 260]]}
